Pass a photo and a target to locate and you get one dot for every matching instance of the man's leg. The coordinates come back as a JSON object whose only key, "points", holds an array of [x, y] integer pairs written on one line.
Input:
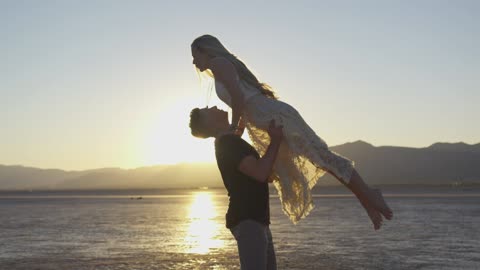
{"points": [[252, 242], [271, 258]]}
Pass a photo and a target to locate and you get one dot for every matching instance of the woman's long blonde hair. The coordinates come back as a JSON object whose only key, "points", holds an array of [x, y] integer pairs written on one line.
{"points": [[211, 46]]}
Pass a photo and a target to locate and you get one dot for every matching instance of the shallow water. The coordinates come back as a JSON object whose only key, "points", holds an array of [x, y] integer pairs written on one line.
{"points": [[186, 231]]}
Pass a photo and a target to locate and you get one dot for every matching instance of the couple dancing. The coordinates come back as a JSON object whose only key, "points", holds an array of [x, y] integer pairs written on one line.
{"points": [[285, 152]]}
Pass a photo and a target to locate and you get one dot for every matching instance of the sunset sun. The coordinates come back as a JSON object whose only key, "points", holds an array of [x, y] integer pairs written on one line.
{"points": [[169, 140]]}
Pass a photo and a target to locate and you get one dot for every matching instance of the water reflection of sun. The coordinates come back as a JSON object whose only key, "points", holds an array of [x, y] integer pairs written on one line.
{"points": [[203, 229]]}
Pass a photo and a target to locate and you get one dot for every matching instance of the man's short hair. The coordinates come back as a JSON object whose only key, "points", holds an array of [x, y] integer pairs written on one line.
{"points": [[196, 125]]}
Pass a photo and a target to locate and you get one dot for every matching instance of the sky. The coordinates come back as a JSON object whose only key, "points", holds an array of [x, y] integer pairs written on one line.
{"points": [[92, 84]]}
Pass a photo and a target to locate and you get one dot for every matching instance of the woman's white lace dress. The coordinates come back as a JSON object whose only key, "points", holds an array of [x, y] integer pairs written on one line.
{"points": [[303, 156]]}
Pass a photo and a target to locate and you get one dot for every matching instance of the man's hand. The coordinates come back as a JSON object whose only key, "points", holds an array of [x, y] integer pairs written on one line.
{"points": [[275, 132], [239, 132], [241, 127]]}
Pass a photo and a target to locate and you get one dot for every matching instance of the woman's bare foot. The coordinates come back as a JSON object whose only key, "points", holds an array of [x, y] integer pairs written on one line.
{"points": [[371, 199], [376, 200], [373, 214]]}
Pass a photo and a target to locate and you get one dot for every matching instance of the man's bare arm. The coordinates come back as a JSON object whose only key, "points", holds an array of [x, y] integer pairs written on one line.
{"points": [[260, 169]]}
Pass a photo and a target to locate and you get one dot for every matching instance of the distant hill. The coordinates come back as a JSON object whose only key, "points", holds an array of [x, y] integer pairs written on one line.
{"points": [[440, 163], [160, 176]]}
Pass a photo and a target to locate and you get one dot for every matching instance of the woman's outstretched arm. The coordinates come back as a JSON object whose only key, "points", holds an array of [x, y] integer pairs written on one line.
{"points": [[225, 72]]}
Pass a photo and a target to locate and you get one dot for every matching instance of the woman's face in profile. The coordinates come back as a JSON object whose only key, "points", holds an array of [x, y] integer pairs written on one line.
{"points": [[199, 59]]}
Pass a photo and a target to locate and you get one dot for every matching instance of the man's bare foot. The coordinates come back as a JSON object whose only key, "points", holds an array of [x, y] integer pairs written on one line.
{"points": [[377, 201]]}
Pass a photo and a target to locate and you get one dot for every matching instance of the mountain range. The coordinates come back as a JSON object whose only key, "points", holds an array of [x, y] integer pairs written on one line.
{"points": [[438, 164]]}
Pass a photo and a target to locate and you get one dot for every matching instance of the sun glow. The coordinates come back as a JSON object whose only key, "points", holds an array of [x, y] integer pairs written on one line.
{"points": [[203, 231], [168, 138]]}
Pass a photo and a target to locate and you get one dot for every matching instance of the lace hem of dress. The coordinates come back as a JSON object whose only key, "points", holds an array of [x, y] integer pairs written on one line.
{"points": [[303, 157]]}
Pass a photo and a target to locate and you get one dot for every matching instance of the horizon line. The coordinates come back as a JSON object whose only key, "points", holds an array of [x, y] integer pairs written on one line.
{"points": [[211, 162]]}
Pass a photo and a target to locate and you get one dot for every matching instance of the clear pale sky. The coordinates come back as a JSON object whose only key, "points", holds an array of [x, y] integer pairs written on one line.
{"points": [[90, 84]]}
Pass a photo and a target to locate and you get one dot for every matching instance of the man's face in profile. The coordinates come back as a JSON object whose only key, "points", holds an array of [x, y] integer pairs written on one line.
{"points": [[212, 115]]}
